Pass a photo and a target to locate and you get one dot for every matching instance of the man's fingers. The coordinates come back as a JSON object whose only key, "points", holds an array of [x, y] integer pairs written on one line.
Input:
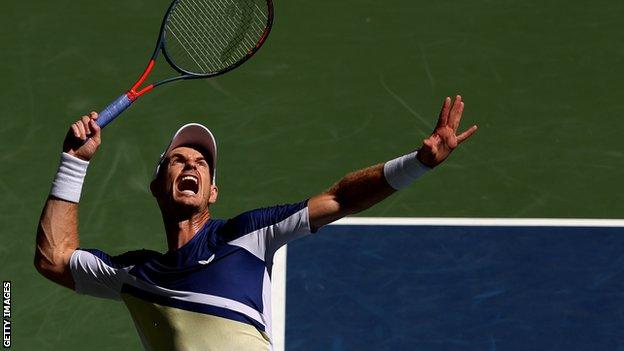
{"points": [[75, 130], [81, 130], [465, 135], [95, 131], [428, 143], [448, 138], [83, 137], [85, 122], [456, 113], [444, 112]]}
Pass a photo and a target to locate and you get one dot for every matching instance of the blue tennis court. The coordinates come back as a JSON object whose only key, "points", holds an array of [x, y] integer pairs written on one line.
{"points": [[444, 284]]}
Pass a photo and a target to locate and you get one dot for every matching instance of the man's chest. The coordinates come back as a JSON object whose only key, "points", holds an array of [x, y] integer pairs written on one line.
{"points": [[227, 271]]}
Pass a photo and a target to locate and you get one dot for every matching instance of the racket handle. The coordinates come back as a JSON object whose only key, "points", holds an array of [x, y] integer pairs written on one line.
{"points": [[113, 110]]}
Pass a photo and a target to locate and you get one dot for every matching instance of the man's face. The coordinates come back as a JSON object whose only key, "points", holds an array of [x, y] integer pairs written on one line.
{"points": [[186, 184]]}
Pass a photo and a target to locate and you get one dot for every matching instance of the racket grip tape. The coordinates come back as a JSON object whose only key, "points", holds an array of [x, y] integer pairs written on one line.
{"points": [[113, 110]]}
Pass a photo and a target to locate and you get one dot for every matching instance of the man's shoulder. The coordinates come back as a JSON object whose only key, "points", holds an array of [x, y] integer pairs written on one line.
{"points": [[259, 218], [126, 259]]}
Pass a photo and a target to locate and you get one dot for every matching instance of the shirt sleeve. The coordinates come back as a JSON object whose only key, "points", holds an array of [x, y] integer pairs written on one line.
{"points": [[263, 231], [98, 274]]}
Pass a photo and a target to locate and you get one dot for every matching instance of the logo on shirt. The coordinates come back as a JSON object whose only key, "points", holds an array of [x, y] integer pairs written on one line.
{"points": [[204, 262]]}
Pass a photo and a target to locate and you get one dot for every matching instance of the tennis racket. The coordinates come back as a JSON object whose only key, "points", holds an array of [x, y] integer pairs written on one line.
{"points": [[201, 39]]}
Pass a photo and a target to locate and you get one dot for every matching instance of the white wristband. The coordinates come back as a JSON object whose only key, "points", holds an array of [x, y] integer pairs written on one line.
{"points": [[402, 171], [67, 184]]}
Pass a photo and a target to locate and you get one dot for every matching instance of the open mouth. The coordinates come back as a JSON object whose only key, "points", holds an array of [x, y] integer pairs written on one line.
{"points": [[188, 185]]}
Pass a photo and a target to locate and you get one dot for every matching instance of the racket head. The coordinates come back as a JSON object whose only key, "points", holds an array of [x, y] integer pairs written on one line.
{"points": [[205, 38]]}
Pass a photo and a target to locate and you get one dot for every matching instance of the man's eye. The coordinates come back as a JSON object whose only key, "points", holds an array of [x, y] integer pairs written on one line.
{"points": [[203, 163], [176, 161]]}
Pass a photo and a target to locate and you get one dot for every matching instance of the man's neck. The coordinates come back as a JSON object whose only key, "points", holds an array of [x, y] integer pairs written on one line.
{"points": [[181, 231]]}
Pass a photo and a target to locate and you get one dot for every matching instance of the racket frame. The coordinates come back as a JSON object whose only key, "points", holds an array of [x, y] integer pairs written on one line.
{"points": [[184, 74]]}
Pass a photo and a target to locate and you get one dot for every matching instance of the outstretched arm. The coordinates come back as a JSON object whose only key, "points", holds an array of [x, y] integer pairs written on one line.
{"points": [[362, 189], [57, 234]]}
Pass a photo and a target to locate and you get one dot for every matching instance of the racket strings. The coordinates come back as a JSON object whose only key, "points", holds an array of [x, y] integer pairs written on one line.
{"points": [[207, 36]]}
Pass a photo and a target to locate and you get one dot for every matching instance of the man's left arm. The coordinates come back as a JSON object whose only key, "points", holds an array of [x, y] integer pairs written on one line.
{"points": [[362, 189]]}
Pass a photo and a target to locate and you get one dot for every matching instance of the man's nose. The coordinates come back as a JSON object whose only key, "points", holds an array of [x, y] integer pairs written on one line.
{"points": [[190, 165]]}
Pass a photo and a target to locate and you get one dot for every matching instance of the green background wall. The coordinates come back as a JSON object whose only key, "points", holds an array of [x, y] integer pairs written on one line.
{"points": [[338, 86]]}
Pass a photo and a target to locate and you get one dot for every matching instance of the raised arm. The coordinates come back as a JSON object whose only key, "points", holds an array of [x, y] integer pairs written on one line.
{"points": [[362, 189], [57, 234]]}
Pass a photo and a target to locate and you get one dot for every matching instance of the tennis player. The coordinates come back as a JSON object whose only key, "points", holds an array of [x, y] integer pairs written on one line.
{"points": [[211, 289]]}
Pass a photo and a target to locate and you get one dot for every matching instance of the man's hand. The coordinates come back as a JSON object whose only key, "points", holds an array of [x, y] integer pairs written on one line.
{"points": [[83, 138], [444, 138]]}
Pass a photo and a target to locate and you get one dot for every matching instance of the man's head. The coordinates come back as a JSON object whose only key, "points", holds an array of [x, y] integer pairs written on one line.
{"points": [[184, 178]]}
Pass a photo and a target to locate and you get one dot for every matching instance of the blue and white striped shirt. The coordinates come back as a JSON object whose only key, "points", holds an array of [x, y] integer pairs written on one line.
{"points": [[213, 293]]}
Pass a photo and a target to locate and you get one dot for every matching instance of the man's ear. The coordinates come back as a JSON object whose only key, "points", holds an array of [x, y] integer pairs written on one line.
{"points": [[214, 193], [154, 187]]}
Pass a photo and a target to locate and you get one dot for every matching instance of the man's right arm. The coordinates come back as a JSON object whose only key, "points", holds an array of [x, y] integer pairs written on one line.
{"points": [[57, 234], [57, 239]]}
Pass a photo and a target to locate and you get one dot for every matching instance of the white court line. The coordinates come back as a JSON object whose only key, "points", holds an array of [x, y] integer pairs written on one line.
{"points": [[278, 299], [494, 222], [279, 267]]}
